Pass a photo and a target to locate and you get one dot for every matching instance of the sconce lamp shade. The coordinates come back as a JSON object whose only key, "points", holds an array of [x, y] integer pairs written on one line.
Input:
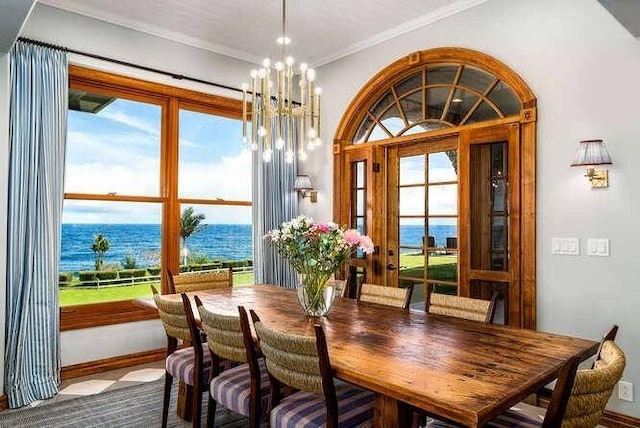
{"points": [[591, 152], [302, 183]]}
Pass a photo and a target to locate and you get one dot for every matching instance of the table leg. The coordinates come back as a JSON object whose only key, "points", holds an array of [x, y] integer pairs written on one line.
{"points": [[389, 413], [185, 398]]}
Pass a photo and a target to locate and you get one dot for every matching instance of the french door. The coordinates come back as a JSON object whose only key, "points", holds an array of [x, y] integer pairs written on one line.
{"points": [[422, 217], [443, 212]]}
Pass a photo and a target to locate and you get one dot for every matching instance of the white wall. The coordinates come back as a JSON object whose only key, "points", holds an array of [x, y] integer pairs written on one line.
{"points": [[85, 34], [583, 67], [4, 170]]}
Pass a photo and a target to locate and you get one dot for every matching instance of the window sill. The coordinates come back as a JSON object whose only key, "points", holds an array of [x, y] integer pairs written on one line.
{"points": [[100, 314]]}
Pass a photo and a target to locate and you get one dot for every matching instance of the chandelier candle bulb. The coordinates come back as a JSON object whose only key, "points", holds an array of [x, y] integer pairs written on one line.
{"points": [[273, 105], [311, 104], [318, 94], [254, 89]]}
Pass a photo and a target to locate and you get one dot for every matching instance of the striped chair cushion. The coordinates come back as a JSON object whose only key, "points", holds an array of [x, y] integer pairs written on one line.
{"points": [[305, 409], [520, 416], [232, 388], [180, 364]]}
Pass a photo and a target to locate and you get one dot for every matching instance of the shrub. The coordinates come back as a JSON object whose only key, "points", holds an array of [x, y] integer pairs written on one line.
{"points": [[195, 267], [197, 258], [126, 273], [64, 278], [88, 277], [129, 261], [235, 263], [210, 266], [139, 273], [184, 268], [107, 275], [154, 270]]}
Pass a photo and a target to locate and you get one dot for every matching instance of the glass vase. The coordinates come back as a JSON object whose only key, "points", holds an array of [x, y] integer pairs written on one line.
{"points": [[314, 295]]}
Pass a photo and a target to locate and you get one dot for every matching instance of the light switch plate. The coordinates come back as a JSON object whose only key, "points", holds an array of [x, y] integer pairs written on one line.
{"points": [[565, 246], [598, 247]]}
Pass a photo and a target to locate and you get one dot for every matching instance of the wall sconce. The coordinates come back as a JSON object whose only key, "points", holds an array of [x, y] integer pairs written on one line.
{"points": [[305, 188], [590, 154]]}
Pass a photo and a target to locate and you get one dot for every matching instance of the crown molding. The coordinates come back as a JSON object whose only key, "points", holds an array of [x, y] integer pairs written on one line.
{"points": [[414, 24], [153, 30]]}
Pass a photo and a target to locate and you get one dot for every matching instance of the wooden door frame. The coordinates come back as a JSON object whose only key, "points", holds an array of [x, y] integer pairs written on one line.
{"points": [[400, 69]]}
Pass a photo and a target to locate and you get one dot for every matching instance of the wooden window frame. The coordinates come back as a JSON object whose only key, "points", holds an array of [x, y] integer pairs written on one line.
{"points": [[171, 99]]}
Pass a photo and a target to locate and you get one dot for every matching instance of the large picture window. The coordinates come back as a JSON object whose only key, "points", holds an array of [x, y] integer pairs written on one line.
{"points": [[156, 180]]}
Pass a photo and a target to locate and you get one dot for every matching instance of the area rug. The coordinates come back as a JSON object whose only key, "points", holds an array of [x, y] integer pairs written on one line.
{"points": [[133, 406]]}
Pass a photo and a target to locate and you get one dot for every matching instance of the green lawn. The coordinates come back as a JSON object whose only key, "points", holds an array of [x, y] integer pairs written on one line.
{"points": [[77, 296], [441, 267]]}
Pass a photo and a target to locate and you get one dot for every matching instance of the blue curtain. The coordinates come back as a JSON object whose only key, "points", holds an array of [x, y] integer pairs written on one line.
{"points": [[274, 201], [37, 138]]}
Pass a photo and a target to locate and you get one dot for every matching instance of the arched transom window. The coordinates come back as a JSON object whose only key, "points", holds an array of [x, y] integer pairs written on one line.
{"points": [[436, 97]]}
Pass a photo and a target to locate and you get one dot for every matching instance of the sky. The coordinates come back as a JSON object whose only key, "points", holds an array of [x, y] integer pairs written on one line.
{"points": [[118, 150]]}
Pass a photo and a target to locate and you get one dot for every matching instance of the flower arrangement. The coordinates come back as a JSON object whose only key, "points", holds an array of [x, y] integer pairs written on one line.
{"points": [[315, 251]]}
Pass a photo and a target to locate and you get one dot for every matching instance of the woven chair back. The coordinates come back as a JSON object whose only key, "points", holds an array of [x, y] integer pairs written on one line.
{"points": [[224, 335], [173, 317], [592, 388], [388, 296], [197, 281], [340, 286], [292, 359], [459, 307]]}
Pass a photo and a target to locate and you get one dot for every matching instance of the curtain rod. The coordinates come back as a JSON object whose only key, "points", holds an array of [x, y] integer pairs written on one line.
{"points": [[128, 64]]}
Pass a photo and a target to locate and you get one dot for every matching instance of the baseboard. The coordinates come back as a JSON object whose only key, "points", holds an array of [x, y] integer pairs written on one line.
{"points": [[618, 420], [107, 364]]}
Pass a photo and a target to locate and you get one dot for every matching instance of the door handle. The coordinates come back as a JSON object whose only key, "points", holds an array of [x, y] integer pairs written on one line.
{"points": [[391, 266]]}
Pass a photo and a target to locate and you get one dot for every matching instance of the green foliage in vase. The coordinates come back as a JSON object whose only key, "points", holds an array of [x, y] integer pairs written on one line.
{"points": [[315, 251]]}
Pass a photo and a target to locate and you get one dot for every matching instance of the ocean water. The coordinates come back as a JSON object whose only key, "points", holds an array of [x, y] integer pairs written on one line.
{"points": [[217, 241]]}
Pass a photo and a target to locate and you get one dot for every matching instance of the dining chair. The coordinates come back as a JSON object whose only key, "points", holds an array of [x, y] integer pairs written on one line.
{"points": [[545, 392], [189, 364], [460, 307], [388, 296], [340, 286], [302, 362], [197, 281], [244, 388], [577, 401]]}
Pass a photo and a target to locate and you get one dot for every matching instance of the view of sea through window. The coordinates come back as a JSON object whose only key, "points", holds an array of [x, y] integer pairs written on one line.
{"points": [[112, 231]]}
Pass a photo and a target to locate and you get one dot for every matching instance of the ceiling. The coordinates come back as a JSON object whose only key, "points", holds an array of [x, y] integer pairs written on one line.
{"points": [[321, 30], [627, 12], [13, 13]]}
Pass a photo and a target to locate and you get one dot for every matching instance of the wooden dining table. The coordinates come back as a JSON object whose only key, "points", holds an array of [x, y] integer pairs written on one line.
{"points": [[466, 372]]}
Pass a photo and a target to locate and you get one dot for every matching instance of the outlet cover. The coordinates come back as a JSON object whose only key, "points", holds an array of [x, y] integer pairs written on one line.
{"points": [[625, 391]]}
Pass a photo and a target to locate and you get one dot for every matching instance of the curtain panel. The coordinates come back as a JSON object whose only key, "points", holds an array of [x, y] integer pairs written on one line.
{"points": [[37, 138], [273, 202]]}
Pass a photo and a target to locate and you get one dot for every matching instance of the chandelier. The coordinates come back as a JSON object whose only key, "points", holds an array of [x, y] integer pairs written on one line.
{"points": [[273, 107]]}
